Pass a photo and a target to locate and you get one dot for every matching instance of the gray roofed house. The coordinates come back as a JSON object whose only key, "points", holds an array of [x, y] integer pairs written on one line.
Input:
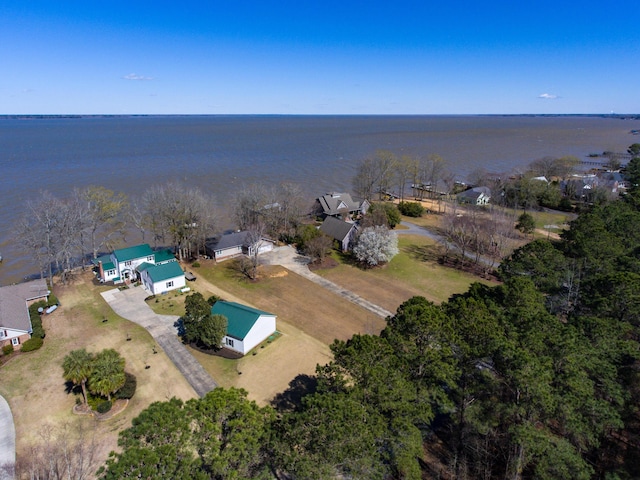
{"points": [[236, 243], [343, 232], [475, 196], [336, 204], [15, 324]]}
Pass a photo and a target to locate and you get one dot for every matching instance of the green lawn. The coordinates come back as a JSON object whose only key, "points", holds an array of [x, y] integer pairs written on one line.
{"points": [[414, 271]]}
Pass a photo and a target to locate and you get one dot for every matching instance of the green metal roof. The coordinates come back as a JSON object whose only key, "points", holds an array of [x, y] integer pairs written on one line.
{"points": [[240, 318], [166, 271], [131, 253], [107, 264], [162, 256]]}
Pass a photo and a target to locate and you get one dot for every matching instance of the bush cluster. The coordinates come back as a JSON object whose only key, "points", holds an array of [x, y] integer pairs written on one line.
{"points": [[34, 343], [195, 264], [7, 349], [411, 209], [128, 390], [104, 407]]}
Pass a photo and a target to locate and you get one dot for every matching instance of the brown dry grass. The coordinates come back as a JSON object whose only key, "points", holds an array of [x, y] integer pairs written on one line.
{"points": [[309, 319], [33, 384]]}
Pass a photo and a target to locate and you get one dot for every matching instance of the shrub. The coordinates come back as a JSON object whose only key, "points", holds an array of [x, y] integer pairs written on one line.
{"points": [[195, 264], [53, 300], [150, 297], [411, 209], [7, 349], [128, 390], [213, 299], [104, 407], [34, 343]]}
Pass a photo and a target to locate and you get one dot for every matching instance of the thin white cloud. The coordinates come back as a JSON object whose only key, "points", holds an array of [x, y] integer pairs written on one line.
{"points": [[135, 76], [548, 96]]}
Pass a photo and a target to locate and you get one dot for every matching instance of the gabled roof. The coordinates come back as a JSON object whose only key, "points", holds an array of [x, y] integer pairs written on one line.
{"points": [[14, 312], [162, 256], [336, 203], [107, 264], [240, 318], [159, 273], [133, 253], [336, 228], [229, 240], [475, 193]]}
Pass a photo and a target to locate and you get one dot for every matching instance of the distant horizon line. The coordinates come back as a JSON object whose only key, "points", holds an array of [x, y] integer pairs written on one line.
{"points": [[84, 115]]}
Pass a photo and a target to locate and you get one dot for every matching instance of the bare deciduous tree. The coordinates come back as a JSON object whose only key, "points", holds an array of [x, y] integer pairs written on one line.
{"points": [[183, 215], [105, 216]]}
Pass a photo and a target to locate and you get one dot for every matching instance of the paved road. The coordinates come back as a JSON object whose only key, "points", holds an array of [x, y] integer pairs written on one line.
{"points": [[130, 304], [291, 260], [7, 441]]}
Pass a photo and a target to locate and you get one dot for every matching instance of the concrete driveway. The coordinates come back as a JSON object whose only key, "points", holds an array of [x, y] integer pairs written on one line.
{"points": [[7, 441], [130, 304]]}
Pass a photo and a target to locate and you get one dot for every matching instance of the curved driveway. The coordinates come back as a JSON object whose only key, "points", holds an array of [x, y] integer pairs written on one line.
{"points": [[130, 304], [7, 441]]}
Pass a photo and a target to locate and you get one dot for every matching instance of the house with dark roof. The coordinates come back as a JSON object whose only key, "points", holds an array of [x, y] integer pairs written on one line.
{"points": [[340, 205], [15, 323], [246, 327], [159, 271], [341, 231], [475, 196], [237, 243]]}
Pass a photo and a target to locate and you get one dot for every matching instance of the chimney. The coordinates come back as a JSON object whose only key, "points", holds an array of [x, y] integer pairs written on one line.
{"points": [[101, 269]]}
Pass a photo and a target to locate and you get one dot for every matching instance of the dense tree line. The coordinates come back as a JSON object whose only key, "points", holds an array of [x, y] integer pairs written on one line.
{"points": [[535, 378]]}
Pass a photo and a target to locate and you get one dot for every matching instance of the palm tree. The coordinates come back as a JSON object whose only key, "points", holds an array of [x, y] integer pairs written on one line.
{"points": [[78, 366], [108, 375]]}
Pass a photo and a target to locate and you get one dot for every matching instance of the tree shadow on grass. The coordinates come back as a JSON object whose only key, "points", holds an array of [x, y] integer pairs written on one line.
{"points": [[424, 253], [291, 399]]}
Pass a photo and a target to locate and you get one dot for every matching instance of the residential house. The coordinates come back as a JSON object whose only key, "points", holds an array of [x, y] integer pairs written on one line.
{"points": [[343, 232], [475, 196], [246, 327], [15, 323], [158, 271], [233, 244], [340, 205], [161, 278]]}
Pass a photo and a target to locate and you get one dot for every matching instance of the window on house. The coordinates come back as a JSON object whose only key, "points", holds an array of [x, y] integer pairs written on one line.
{"points": [[15, 341], [111, 272], [170, 284], [229, 342], [128, 263], [2, 333]]}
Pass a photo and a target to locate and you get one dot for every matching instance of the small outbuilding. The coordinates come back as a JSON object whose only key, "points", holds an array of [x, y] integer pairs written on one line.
{"points": [[246, 327]]}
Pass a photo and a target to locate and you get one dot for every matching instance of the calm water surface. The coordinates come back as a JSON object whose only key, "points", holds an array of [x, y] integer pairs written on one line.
{"points": [[222, 153]]}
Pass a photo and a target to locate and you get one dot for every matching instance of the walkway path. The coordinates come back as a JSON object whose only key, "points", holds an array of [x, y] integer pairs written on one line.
{"points": [[7, 441], [291, 260], [130, 304]]}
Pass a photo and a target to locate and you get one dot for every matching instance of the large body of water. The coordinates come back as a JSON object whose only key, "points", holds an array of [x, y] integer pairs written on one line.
{"points": [[223, 153]]}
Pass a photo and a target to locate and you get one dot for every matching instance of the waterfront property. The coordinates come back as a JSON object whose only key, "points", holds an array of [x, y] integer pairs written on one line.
{"points": [[341, 231], [15, 323], [340, 205], [475, 196], [158, 271], [246, 327], [233, 244]]}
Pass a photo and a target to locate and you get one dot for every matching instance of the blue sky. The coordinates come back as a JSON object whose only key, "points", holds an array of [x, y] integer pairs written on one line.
{"points": [[330, 57]]}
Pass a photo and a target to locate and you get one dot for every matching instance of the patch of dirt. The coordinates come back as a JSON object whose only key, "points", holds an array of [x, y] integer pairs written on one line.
{"points": [[327, 263]]}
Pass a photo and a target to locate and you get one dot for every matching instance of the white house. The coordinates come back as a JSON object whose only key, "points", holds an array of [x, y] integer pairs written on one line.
{"points": [[246, 327], [161, 278], [15, 323], [475, 196], [237, 243], [158, 271]]}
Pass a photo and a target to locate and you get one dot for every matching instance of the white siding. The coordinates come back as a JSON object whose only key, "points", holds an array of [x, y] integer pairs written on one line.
{"points": [[228, 252], [161, 287], [261, 330]]}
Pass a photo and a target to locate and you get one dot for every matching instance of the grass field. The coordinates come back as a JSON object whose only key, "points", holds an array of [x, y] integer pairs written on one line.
{"points": [[414, 271], [33, 385]]}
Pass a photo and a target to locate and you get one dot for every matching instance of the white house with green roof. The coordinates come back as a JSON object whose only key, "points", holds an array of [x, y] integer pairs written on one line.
{"points": [[246, 327], [159, 271], [161, 278]]}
